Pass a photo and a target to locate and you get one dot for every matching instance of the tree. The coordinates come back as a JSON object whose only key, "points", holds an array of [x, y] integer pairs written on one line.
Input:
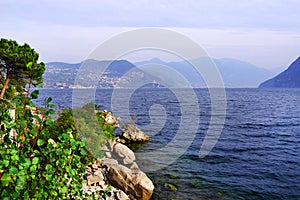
{"points": [[19, 67]]}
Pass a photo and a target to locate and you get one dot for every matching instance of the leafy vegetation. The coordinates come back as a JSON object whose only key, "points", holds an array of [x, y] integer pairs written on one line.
{"points": [[43, 158]]}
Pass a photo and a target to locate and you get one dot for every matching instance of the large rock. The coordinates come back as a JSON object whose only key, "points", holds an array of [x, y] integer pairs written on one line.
{"points": [[124, 153], [134, 183], [121, 172], [97, 181], [132, 133]]}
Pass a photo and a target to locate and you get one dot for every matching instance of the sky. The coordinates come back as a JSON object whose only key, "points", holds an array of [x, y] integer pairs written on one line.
{"points": [[265, 33]]}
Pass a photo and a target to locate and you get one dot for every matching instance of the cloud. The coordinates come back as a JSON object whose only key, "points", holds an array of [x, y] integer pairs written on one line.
{"points": [[265, 33], [276, 14]]}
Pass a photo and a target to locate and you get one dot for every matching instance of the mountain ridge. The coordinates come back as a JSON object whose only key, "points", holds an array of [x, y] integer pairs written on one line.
{"points": [[289, 78], [235, 73]]}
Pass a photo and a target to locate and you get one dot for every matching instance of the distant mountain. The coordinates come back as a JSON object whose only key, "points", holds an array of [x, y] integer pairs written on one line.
{"points": [[63, 75], [290, 78], [235, 73]]}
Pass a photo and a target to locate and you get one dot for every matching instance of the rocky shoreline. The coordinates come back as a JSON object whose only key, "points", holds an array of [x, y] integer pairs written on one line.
{"points": [[118, 173]]}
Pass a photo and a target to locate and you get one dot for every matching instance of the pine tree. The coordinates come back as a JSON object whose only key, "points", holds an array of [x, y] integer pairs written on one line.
{"points": [[19, 67]]}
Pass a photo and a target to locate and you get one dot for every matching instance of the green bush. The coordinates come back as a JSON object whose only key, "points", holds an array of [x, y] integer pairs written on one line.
{"points": [[47, 158], [90, 126]]}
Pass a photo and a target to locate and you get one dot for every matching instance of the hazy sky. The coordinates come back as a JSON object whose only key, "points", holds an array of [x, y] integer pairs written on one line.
{"points": [[263, 32]]}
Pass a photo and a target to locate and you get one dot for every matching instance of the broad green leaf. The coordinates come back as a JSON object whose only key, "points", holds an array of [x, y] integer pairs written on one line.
{"points": [[26, 163], [68, 151], [13, 171], [59, 152], [49, 168], [54, 193], [38, 119], [73, 143], [50, 112], [68, 169], [48, 100], [5, 179], [36, 152], [64, 190], [6, 194], [40, 142], [35, 161], [15, 158], [33, 168], [5, 163], [51, 141], [66, 136], [26, 196], [21, 183], [49, 177], [49, 122], [35, 94], [83, 152], [12, 151]]}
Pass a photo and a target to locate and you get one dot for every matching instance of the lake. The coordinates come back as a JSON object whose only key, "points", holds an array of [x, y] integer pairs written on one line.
{"points": [[257, 155]]}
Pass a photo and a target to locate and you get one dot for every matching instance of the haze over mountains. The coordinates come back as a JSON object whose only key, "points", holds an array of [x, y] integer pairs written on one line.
{"points": [[235, 73]]}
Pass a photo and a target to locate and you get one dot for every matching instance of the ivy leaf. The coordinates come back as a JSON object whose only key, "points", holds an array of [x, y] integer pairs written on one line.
{"points": [[13, 171], [48, 100], [40, 142], [51, 141], [5, 179], [5, 163], [21, 183], [35, 94], [15, 158], [33, 169], [38, 119], [26, 163], [73, 143], [54, 193], [49, 168], [83, 152], [64, 190], [49, 178], [68, 151], [35, 161], [49, 122]]}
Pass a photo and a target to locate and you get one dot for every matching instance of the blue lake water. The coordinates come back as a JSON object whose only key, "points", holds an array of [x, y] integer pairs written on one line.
{"points": [[256, 157]]}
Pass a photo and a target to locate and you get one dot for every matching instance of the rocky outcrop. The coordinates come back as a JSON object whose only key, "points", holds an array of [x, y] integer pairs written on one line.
{"points": [[124, 153], [119, 170], [110, 119], [97, 181], [132, 134]]}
